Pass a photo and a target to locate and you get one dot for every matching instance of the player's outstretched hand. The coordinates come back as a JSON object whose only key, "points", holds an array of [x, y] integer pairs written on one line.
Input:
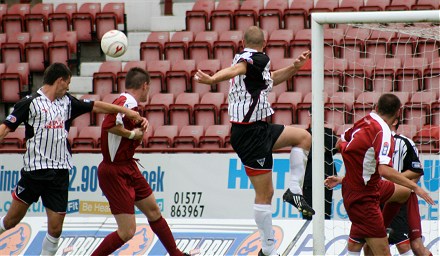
{"points": [[203, 78], [423, 194], [332, 181], [144, 124], [301, 60]]}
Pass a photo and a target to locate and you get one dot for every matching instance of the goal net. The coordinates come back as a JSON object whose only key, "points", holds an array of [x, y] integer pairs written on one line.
{"points": [[355, 58]]}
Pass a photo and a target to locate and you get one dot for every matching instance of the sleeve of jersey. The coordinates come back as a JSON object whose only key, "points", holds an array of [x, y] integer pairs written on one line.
{"points": [[384, 147], [80, 107], [20, 113], [412, 161]]}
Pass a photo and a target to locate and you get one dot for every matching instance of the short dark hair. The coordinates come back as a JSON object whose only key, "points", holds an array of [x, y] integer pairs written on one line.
{"points": [[254, 36], [55, 71], [388, 105], [136, 77]]}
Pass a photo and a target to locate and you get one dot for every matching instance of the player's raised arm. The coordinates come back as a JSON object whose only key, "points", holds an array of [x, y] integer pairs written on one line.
{"points": [[284, 74], [222, 75], [107, 108]]}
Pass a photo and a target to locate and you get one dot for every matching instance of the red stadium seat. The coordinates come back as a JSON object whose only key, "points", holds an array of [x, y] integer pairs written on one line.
{"points": [[86, 119], [339, 108], [303, 109], [296, 17], [278, 44], [83, 21], [157, 70], [214, 137], [197, 19], [364, 104], [222, 18], [349, 6], [157, 110], [14, 139], [417, 110], [207, 111], [285, 108], [178, 78], [378, 44], [61, 49], [410, 76], [14, 83], [3, 10], [333, 75], [302, 80], [13, 21], [375, 5], [301, 42], [247, 15], [35, 51], [225, 48], [120, 77], [426, 5], [428, 48], [400, 5], [181, 112], [60, 20], [432, 78], [427, 139], [112, 15], [201, 47], [357, 75], [12, 50], [104, 81], [209, 67], [188, 136], [408, 130], [270, 18], [383, 77], [177, 47], [152, 49], [353, 43], [88, 137], [435, 113], [163, 136], [36, 20], [403, 45]]}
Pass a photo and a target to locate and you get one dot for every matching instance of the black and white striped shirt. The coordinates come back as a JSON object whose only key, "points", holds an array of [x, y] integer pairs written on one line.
{"points": [[248, 101], [406, 155], [47, 125]]}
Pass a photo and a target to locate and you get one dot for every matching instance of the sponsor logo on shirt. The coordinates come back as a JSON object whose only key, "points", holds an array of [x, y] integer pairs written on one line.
{"points": [[55, 124], [385, 148], [11, 119]]}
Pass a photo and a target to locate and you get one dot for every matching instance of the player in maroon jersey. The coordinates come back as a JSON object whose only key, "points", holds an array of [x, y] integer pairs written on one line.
{"points": [[367, 150], [119, 176]]}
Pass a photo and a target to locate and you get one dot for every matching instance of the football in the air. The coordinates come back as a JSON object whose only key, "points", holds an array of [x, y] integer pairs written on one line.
{"points": [[114, 43]]}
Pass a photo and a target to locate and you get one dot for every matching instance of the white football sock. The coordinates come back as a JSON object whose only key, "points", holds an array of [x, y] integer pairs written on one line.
{"points": [[2, 226], [263, 218], [298, 161], [50, 245], [408, 253], [353, 253]]}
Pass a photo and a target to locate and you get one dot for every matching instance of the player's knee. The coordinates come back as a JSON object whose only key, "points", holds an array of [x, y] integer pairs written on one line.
{"points": [[126, 233], [153, 213]]}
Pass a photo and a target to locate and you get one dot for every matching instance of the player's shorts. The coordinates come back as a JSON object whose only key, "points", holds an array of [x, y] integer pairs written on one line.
{"points": [[399, 226], [253, 144], [123, 185], [49, 184], [363, 209]]}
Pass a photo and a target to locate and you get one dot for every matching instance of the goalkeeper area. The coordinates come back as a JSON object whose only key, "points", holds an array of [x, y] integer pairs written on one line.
{"points": [[356, 57]]}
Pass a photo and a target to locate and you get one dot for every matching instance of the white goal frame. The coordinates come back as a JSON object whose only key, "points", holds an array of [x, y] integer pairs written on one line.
{"points": [[317, 22]]}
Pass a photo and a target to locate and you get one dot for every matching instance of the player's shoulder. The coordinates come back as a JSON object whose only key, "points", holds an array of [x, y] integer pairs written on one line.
{"points": [[404, 139], [26, 100]]}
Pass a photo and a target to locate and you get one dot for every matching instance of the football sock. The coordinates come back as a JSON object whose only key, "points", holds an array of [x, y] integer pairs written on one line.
{"points": [[263, 218], [2, 227], [298, 161], [162, 230], [50, 245], [110, 244]]}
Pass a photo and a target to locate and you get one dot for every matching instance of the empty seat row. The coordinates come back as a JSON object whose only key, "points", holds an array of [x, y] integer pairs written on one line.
{"points": [[89, 20], [275, 14], [351, 43], [40, 49]]}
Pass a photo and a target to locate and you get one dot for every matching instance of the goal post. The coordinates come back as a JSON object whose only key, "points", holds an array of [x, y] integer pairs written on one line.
{"points": [[318, 21]]}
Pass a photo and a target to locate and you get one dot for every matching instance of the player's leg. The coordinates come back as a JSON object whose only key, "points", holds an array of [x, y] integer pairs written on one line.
{"points": [[418, 248], [354, 247], [158, 224], [392, 196], [415, 226], [398, 232], [379, 246], [300, 140], [263, 210], [54, 197]]}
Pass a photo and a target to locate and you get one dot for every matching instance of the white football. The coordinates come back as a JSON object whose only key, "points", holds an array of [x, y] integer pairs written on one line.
{"points": [[114, 43]]}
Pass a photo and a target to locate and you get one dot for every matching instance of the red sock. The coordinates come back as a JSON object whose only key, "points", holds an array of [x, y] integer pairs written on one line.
{"points": [[389, 211], [162, 230], [110, 244]]}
